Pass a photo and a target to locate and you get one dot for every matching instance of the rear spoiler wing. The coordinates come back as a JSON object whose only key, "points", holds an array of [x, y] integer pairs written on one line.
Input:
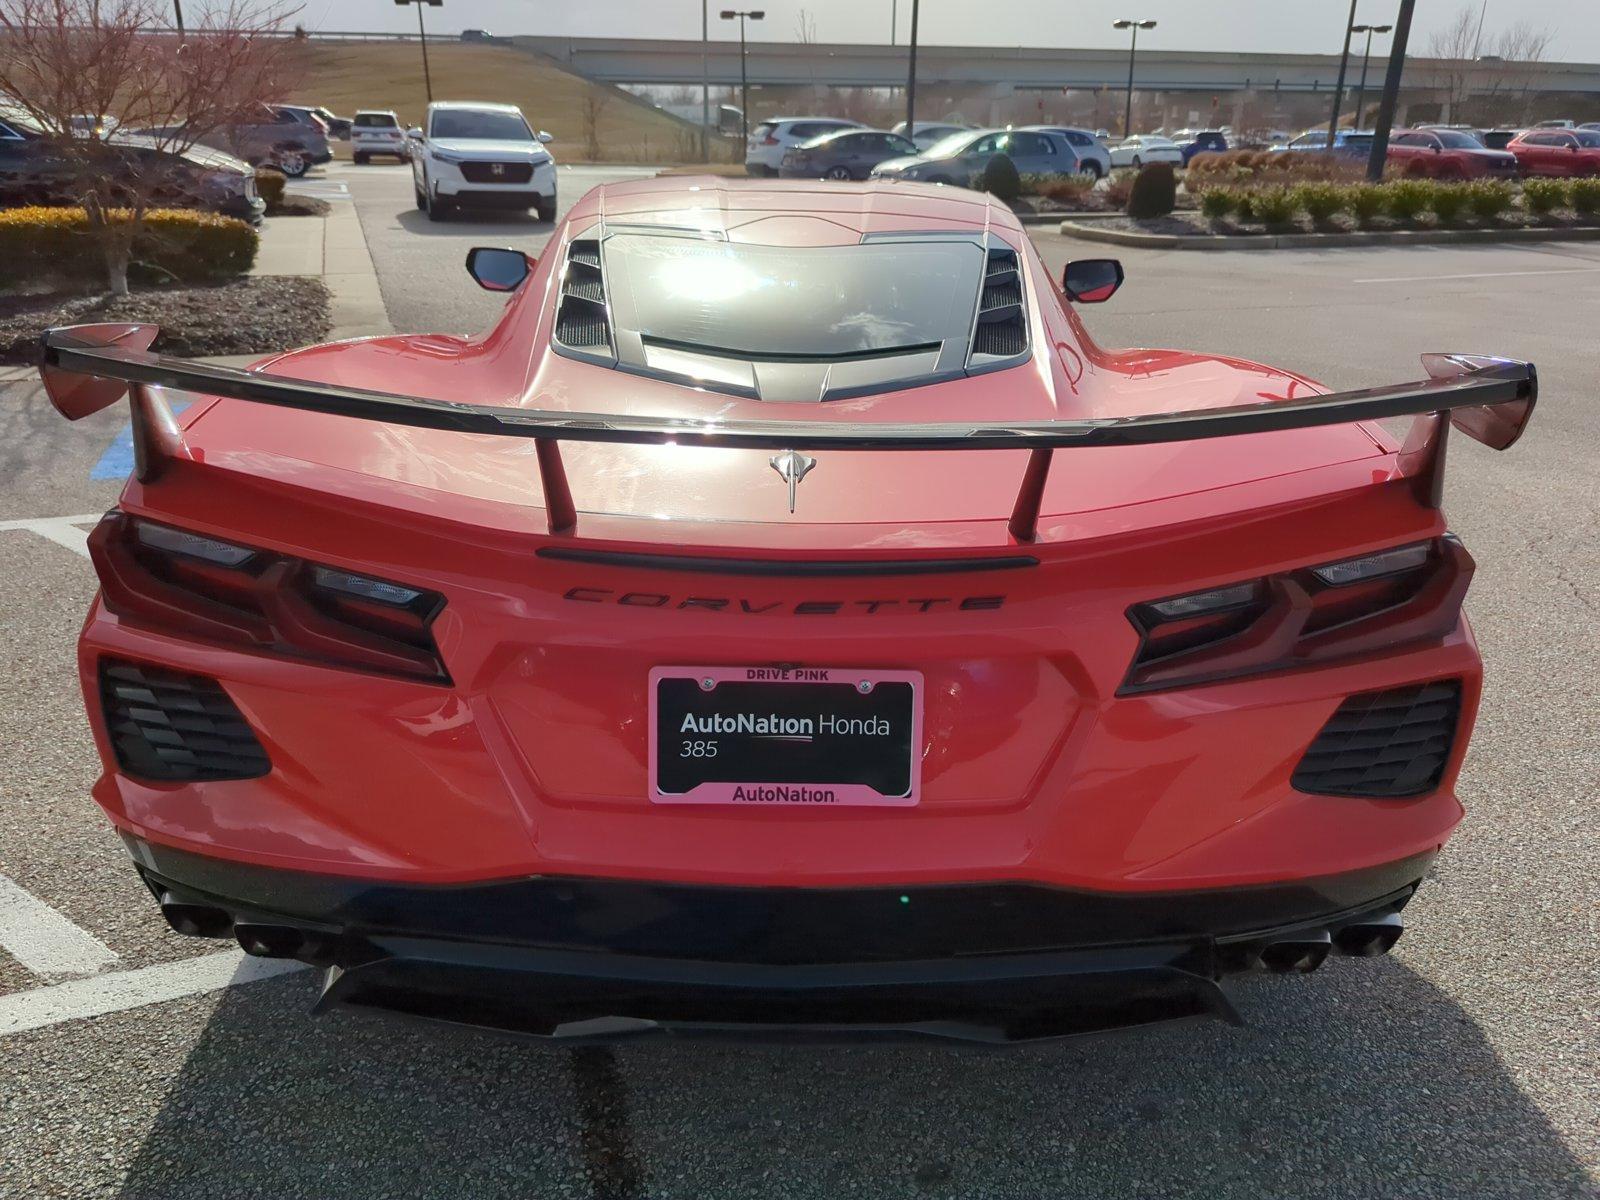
{"points": [[89, 367]]}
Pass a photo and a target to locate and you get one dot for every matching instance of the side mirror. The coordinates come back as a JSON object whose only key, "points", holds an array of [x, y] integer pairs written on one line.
{"points": [[1437, 149], [1091, 280], [545, 137], [415, 132], [497, 270]]}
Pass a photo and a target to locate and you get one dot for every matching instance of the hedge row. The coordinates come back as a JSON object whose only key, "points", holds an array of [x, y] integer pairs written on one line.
{"points": [[56, 243], [1402, 199], [1246, 167]]}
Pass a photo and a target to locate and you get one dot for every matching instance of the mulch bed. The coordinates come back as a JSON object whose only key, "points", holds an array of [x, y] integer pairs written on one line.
{"points": [[299, 206], [257, 315]]}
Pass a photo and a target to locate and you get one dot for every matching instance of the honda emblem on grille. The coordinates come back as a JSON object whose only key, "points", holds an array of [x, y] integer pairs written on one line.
{"points": [[793, 466], [497, 168]]}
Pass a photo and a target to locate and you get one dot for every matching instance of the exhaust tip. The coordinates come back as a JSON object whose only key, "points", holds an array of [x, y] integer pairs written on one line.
{"points": [[195, 920], [1297, 956], [269, 941], [1368, 939]]}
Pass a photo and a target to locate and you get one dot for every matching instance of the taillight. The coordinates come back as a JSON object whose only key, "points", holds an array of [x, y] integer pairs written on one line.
{"points": [[769, 140], [176, 581], [1312, 615]]}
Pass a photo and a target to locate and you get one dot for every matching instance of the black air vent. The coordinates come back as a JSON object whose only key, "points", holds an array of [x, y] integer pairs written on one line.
{"points": [[170, 726], [1002, 327], [581, 321], [1392, 743]]}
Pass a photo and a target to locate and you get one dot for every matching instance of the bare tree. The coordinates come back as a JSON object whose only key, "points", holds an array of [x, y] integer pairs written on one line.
{"points": [[1455, 46], [805, 28], [595, 103], [61, 59]]}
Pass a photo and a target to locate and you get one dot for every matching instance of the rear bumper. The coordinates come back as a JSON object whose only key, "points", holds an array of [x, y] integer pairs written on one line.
{"points": [[563, 958]]}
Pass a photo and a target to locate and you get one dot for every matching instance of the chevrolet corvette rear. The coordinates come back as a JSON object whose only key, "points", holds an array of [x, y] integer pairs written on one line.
{"points": [[787, 618]]}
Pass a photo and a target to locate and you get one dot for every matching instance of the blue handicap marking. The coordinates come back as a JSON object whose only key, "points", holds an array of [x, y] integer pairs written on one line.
{"points": [[117, 461]]}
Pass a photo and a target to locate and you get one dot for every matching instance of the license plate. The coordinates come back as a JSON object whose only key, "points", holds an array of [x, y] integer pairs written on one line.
{"points": [[785, 736]]}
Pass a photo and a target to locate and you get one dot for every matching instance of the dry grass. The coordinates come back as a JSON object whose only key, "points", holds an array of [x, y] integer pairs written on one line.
{"points": [[730, 170], [346, 76]]}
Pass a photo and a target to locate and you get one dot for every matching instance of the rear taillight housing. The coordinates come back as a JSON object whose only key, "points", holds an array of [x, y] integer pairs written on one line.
{"points": [[174, 581], [1312, 615], [769, 140]]}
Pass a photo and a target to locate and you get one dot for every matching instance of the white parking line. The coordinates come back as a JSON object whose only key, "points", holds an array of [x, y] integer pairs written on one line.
{"points": [[44, 941], [123, 990], [63, 531], [1479, 275]]}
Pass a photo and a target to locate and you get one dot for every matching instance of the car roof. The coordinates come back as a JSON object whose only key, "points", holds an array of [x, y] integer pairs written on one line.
{"points": [[474, 105], [375, 112], [791, 120], [792, 204]]}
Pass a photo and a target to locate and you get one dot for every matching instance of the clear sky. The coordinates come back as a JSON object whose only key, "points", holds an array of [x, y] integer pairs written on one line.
{"points": [[1291, 26]]}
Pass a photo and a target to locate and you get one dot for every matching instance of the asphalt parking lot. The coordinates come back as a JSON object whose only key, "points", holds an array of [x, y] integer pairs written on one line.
{"points": [[1463, 1065]]}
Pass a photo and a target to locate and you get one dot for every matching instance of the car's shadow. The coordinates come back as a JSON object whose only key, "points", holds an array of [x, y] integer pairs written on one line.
{"points": [[1362, 1081], [414, 220]]}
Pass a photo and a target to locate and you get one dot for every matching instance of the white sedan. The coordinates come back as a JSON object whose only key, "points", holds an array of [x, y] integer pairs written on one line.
{"points": [[1144, 148]]}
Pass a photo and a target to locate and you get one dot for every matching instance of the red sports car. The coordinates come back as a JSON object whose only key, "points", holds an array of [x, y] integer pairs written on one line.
{"points": [[786, 617]]}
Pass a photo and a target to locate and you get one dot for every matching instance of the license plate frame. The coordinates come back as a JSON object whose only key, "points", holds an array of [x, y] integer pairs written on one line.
{"points": [[830, 758]]}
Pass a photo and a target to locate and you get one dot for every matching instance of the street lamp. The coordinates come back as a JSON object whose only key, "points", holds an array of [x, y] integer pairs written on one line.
{"points": [[427, 77], [1338, 88], [911, 76], [1361, 88], [1127, 114], [754, 14]]}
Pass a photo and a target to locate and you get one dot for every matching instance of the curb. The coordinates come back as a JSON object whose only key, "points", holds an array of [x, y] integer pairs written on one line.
{"points": [[1324, 241]]}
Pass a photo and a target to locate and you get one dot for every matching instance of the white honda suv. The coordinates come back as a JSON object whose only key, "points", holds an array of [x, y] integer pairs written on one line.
{"points": [[470, 155]]}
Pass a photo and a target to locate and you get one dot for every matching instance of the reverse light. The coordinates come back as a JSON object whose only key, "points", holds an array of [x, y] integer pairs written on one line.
{"points": [[1311, 615], [1386, 562], [174, 581]]}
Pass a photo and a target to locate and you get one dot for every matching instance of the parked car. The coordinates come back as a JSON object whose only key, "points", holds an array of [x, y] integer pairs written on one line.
{"points": [[1548, 151], [470, 155], [88, 125], [530, 747], [34, 169], [844, 154], [1447, 154], [338, 127], [772, 138], [1200, 141], [1093, 157], [476, 35], [961, 157], [1594, 125], [1557, 123], [1348, 143], [1499, 139], [1144, 148], [275, 136], [929, 132], [377, 131]]}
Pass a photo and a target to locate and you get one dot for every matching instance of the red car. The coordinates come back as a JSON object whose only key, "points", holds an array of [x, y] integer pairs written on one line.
{"points": [[1557, 151], [1448, 154], [786, 616]]}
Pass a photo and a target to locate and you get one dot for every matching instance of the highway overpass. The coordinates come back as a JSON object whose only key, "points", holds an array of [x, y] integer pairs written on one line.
{"points": [[646, 61]]}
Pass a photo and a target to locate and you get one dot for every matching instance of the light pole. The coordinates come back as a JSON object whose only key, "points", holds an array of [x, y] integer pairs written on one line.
{"points": [[911, 76], [705, 85], [1133, 48], [1338, 88], [1361, 88], [754, 14], [894, 19], [1391, 91], [427, 77]]}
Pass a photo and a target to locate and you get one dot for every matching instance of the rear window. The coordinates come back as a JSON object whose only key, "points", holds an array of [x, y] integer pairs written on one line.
{"points": [[763, 129], [788, 302], [811, 129], [375, 121], [1587, 137]]}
